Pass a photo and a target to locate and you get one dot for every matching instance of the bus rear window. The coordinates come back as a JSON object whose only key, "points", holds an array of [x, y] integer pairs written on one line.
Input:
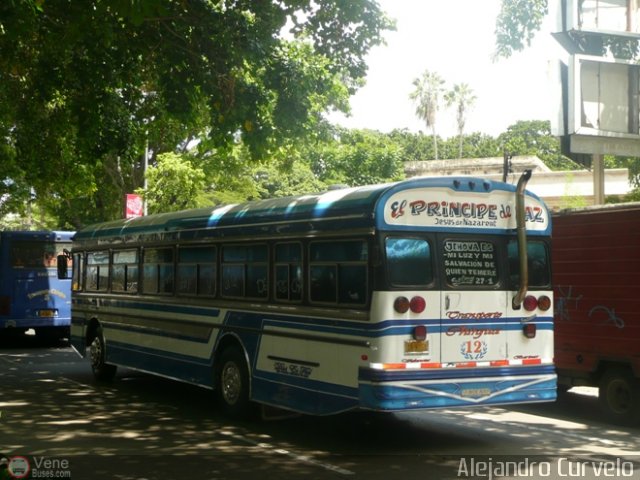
{"points": [[470, 263], [409, 262], [37, 254], [537, 261]]}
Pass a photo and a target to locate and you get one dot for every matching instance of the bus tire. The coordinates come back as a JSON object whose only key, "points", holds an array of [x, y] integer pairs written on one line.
{"points": [[232, 383], [619, 396], [102, 371]]}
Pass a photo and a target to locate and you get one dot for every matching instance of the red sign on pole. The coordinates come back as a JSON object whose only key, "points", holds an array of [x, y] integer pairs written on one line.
{"points": [[134, 205]]}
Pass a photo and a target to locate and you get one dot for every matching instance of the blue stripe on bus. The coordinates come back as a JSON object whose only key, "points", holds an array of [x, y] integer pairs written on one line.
{"points": [[398, 327], [315, 324], [173, 365], [154, 331], [154, 307], [243, 321]]}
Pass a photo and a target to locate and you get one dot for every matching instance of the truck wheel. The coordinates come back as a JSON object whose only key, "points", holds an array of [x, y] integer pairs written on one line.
{"points": [[102, 371], [232, 383], [619, 396]]}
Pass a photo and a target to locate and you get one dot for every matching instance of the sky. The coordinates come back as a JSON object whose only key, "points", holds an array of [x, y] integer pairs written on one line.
{"points": [[456, 39]]}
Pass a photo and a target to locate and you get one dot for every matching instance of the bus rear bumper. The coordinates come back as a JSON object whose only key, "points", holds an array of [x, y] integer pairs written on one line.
{"points": [[409, 390]]}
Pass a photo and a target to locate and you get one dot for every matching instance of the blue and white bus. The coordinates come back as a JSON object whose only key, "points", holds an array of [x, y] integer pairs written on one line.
{"points": [[31, 294], [426, 293]]}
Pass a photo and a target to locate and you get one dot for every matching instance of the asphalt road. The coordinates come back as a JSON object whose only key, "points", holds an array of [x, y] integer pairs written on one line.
{"points": [[64, 425]]}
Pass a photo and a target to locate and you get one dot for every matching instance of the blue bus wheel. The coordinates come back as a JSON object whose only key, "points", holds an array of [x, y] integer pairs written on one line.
{"points": [[102, 371], [232, 383]]}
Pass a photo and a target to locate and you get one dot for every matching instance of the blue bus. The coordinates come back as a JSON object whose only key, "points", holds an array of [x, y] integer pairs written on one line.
{"points": [[31, 294], [427, 293]]}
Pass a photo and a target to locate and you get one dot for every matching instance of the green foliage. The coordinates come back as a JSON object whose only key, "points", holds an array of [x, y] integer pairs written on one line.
{"points": [[84, 85], [357, 157], [173, 184], [286, 179], [418, 147], [517, 24], [534, 138], [631, 163]]}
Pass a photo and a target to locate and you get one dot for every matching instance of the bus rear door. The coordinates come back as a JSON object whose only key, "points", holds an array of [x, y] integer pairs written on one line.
{"points": [[473, 303]]}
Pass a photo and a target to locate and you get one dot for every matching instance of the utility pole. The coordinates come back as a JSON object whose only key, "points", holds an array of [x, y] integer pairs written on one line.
{"points": [[146, 166], [506, 165]]}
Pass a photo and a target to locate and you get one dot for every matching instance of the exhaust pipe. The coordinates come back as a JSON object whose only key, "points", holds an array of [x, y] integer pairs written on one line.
{"points": [[521, 230]]}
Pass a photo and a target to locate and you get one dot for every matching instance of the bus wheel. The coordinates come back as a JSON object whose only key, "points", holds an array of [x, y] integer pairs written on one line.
{"points": [[102, 371], [232, 383], [619, 396]]}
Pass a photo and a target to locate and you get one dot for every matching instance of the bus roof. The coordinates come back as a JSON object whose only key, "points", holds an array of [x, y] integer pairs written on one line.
{"points": [[50, 235], [351, 209]]}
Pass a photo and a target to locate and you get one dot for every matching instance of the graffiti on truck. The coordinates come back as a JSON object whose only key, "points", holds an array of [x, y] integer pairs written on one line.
{"points": [[567, 299]]}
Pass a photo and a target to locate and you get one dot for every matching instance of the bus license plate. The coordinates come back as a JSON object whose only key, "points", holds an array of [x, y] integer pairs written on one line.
{"points": [[47, 313], [416, 346]]}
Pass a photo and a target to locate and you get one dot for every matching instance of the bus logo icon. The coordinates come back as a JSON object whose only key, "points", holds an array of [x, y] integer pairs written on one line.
{"points": [[19, 467]]}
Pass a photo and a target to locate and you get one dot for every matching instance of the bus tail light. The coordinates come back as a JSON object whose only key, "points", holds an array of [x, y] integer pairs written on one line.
{"points": [[401, 304], [530, 303], [5, 305], [418, 304], [420, 333], [544, 303], [529, 330]]}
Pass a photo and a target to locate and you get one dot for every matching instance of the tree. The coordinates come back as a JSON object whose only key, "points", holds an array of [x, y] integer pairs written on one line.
{"points": [[84, 85], [427, 95], [533, 137], [462, 97], [357, 157], [173, 184], [517, 24]]}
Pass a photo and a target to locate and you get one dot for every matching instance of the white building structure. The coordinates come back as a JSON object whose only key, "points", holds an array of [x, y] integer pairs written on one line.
{"points": [[559, 189]]}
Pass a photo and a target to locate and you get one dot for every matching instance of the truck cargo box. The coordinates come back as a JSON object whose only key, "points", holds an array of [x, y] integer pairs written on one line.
{"points": [[596, 277]]}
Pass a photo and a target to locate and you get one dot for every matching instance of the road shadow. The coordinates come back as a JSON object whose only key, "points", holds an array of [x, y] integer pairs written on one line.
{"points": [[52, 406]]}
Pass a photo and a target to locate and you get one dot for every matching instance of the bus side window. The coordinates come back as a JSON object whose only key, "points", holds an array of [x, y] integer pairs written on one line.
{"points": [[288, 272], [97, 271], [78, 272], [338, 272], [196, 271], [124, 271], [245, 271], [157, 272]]}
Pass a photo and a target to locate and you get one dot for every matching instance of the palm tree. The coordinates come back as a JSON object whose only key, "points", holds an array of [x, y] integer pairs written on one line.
{"points": [[427, 93], [463, 98]]}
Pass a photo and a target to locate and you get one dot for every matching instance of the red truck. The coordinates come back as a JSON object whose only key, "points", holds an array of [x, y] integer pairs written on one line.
{"points": [[596, 277]]}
